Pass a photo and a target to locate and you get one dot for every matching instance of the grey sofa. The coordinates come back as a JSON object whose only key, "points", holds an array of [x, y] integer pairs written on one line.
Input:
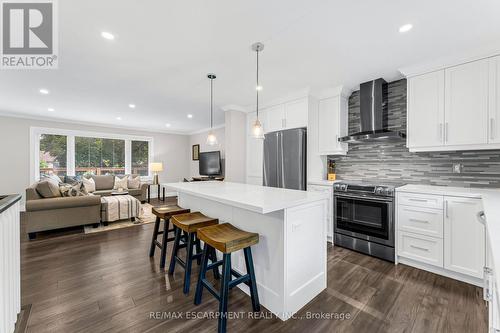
{"points": [[62, 212]]}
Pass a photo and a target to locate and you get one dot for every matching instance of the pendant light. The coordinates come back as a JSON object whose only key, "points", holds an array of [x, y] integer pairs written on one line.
{"points": [[211, 138], [257, 130]]}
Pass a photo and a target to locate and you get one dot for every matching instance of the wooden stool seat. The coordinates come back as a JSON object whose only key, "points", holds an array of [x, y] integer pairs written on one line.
{"points": [[191, 222], [163, 213], [227, 238]]}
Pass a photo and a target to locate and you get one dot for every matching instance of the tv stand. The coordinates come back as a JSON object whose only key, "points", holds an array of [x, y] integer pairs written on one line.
{"points": [[202, 179]]}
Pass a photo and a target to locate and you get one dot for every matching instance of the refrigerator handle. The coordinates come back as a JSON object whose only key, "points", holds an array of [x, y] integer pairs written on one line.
{"points": [[281, 166]]}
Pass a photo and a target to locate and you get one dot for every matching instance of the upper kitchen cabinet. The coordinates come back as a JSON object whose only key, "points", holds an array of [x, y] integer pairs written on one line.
{"points": [[274, 118], [332, 124], [466, 104], [494, 100], [454, 108], [426, 106], [286, 115]]}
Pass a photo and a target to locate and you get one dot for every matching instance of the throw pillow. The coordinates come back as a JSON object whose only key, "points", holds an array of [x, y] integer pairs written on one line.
{"points": [[121, 183], [76, 190], [134, 181], [53, 178], [48, 189], [71, 179], [89, 184]]}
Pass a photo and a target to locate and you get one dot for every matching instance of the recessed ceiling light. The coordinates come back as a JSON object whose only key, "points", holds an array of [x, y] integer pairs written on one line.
{"points": [[118, 118], [50, 110], [132, 106], [44, 91], [190, 116], [107, 35], [167, 125], [405, 28]]}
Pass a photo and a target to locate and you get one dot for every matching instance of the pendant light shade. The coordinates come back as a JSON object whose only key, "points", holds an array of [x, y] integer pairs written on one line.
{"points": [[211, 138], [257, 129]]}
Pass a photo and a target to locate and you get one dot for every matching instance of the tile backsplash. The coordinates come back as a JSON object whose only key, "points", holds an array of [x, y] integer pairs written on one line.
{"points": [[391, 160]]}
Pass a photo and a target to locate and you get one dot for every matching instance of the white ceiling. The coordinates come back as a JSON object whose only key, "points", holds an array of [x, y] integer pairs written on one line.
{"points": [[164, 49]]}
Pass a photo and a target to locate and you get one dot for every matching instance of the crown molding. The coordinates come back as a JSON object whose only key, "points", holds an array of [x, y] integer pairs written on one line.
{"points": [[207, 129]]}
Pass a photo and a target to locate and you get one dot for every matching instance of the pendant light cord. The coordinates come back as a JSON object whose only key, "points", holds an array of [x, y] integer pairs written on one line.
{"points": [[211, 103], [257, 87]]}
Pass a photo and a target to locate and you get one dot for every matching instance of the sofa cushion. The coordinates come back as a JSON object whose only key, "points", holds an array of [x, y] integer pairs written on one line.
{"points": [[89, 184], [121, 183], [63, 202], [104, 182], [48, 189], [134, 181]]}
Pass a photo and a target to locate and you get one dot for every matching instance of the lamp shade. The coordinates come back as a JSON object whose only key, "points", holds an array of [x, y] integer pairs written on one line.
{"points": [[156, 166]]}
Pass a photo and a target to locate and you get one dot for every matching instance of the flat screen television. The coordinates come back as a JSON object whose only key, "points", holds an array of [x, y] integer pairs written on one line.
{"points": [[210, 164]]}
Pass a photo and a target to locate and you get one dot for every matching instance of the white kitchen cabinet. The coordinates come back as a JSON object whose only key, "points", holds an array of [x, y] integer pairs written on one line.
{"points": [[464, 242], [274, 117], [466, 104], [426, 110], [326, 189], [296, 113], [494, 100], [490, 291], [332, 124]]}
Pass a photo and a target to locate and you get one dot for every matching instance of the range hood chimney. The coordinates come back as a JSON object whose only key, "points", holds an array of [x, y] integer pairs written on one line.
{"points": [[373, 114]]}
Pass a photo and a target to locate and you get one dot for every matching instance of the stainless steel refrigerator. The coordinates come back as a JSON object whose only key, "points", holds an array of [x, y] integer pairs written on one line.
{"points": [[285, 154]]}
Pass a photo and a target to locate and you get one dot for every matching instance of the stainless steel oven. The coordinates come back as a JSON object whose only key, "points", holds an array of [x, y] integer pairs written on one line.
{"points": [[364, 218]]}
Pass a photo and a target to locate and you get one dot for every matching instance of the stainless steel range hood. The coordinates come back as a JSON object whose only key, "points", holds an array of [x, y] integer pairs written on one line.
{"points": [[373, 114]]}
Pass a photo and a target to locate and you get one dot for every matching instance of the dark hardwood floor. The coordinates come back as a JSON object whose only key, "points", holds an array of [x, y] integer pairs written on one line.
{"points": [[105, 282]]}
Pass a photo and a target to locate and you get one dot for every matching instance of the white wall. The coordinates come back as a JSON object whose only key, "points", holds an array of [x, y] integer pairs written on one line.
{"points": [[201, 139], [236, 136], [171, 149]]}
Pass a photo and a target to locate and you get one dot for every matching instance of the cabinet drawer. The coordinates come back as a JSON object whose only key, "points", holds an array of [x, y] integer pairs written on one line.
{"points": [[421, 200], [420, 220], [422, 248]]}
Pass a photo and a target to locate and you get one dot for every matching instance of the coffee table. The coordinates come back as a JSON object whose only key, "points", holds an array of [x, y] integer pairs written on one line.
{"points": [[119, 207]]}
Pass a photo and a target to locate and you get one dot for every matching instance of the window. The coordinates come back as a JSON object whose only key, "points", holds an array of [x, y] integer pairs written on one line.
{"points": [[70, 152], [99, 156], [140, 157], [52, 155]]}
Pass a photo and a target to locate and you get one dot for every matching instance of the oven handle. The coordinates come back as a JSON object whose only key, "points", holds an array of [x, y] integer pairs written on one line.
{"points": [[368, 198]]}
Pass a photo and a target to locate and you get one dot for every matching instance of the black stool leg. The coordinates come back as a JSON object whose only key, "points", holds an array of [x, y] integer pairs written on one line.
{"points": [[166, 223], [175, 249], [155, 234], [252, 283], [224, 291], [213, 258], [189, 262], [198, 250], [202, 275]]}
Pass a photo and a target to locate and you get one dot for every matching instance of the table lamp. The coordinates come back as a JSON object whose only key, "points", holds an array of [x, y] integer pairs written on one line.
{"points": [[156, 167]]}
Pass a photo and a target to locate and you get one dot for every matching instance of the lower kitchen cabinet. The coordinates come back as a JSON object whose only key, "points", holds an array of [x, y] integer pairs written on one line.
{"points": [[445, 238], [326, 189]]}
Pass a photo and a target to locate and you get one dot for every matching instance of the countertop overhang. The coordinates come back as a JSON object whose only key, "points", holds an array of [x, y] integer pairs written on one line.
{"points": [[260, 199], [6, 201]]}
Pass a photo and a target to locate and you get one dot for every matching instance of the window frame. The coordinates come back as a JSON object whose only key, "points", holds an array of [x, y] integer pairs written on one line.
{"points": [[36, 132]]}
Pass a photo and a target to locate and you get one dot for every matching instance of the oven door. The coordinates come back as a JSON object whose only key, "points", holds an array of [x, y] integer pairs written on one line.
{"points": [[364, 217]]}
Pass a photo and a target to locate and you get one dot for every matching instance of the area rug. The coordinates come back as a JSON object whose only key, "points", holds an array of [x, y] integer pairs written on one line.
{"points": [[145, 217]]}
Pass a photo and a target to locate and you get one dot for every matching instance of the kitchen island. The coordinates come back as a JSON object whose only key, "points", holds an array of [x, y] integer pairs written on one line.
{"points": [[290, 258]]}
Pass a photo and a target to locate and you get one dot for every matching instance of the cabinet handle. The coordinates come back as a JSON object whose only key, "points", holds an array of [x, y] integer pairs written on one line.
{"points": [[417, 220], [481, 217], [419, 248], [440, 132], [492, 128], [283, 123], [446, 132], [446, 208], [417, 200], [487, 284]]}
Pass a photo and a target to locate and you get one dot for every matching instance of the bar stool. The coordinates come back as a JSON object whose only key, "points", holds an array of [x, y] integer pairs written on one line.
{"points": [[189, 223], [163, 213], [227, 239]]}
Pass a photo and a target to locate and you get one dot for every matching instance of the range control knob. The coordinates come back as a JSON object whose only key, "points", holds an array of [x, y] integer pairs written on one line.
{"points": [[343, 187]]}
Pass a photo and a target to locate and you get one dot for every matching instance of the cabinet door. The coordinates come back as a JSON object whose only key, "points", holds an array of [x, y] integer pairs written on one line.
{"points": [[328, 124], [296, 113], [426, 110], [255, 152], [275, 118], [464, 236], [329, 190], [466, 104], [494, 95]]}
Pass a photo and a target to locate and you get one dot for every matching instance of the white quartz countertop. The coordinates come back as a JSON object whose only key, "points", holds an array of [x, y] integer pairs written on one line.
{"points": [[257, 198], [491, 207]]}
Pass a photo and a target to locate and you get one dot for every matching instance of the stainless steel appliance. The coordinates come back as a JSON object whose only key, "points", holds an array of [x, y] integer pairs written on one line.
{"points": [[373, 116], [364, 218], [285, 156]]}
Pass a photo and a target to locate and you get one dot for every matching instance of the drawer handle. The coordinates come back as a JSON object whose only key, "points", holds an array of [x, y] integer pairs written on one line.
{"points": [[417, 200], [419, 248], [417, 220]]}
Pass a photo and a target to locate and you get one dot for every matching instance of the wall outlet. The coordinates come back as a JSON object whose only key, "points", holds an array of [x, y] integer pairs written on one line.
{"points": [[458, 167]]}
